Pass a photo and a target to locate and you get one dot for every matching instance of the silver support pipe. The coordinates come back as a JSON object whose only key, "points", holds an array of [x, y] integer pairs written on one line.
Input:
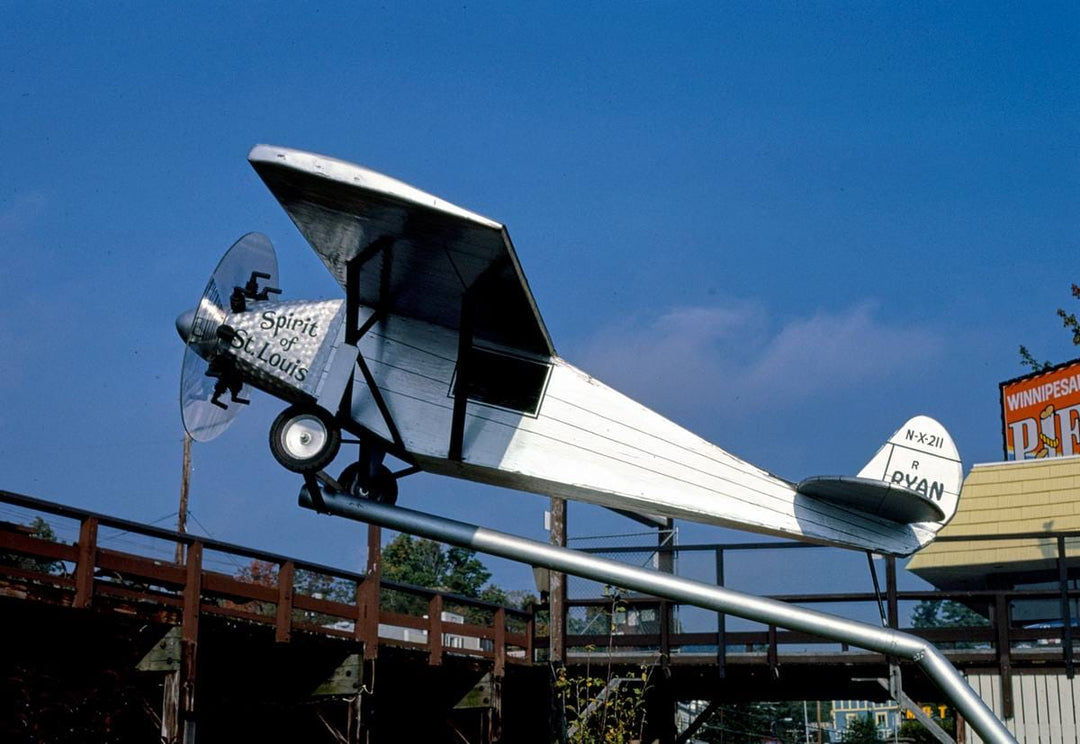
{"points": [[762, 610]]}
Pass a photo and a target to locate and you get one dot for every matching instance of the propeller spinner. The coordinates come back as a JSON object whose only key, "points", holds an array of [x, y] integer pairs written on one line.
{"points": [[211, 391]]}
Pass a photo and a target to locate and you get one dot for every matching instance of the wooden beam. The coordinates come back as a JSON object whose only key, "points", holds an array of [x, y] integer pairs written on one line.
{"points": [[84, 569], [189, 641], [138, 566], [181, 515], [283, 623], [367, 597], [665, 633], [495, 712], [36, 547], [530, 638], [435, 630], [500, 642], [892, 600], [557, 584]]}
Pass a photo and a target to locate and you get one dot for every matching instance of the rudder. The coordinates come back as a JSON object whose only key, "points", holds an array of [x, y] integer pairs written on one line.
{"points": [[922, 457]]}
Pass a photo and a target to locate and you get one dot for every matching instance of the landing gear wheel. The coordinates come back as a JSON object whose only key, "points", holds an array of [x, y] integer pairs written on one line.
{"points": [[382, 487], [304, 439]]}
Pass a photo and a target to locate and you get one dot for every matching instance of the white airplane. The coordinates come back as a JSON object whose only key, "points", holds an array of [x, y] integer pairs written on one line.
{"points": [[439, 357]]}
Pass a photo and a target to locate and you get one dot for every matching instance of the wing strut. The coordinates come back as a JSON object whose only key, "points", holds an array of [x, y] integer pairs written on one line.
{"points": [[354, 332], [380, 402], [464, 379], [352, 287]]}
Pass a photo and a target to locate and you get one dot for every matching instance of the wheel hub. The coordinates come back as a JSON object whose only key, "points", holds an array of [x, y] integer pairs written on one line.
{"points": [[304, 437]]}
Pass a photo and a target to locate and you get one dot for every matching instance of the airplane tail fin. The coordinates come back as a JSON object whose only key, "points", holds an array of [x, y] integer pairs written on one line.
{"points": [[914, 478], [921, 457]]}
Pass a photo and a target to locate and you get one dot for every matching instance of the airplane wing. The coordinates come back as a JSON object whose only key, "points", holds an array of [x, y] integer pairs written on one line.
{"points": [[421, 257]]}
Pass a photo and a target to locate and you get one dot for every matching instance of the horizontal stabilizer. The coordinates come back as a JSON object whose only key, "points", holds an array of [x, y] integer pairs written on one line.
{"points": [[914, 478], [875, 497]]}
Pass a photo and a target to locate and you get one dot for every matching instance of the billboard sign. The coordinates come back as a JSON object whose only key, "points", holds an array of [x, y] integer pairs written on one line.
{"points": [[1040, 413]]}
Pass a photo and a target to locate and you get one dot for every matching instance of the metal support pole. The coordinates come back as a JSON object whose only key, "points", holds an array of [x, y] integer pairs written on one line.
{"points": [[1066, 609], [665, 547], [717, 599], [1004, 652], [721, 621], [928, 723]]}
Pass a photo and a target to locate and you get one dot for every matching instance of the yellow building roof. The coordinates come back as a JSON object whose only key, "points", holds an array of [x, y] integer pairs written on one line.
{"points": [[1007, 497]]}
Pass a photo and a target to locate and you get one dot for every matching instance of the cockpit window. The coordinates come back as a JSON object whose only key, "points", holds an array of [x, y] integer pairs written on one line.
{"points": [[505, 381]]}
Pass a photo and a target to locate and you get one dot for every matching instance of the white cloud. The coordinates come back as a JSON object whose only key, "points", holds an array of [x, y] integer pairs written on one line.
{"points": [[730, 358]]}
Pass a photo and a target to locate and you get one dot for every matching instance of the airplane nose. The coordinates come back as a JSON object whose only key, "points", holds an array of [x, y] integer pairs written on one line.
{"points": [[185, 322]]}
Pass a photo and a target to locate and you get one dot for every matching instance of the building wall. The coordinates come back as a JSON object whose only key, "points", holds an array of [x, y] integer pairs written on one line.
{"points": [[1024, 496], [886, 717], [1045, 706]]}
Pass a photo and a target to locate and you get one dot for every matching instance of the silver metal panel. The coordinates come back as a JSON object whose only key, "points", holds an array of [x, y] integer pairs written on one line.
{"points": [[285, 346], [336, 376]]}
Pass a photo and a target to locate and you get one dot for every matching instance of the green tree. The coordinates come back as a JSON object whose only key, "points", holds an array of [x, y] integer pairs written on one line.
{"points": [[263, 573], [422, 562], [309, 583], [945, 613], [40, 529], [1069, 321]]}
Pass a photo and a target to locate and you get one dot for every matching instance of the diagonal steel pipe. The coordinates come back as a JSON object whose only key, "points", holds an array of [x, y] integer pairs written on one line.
{"points": [[760, 609]]}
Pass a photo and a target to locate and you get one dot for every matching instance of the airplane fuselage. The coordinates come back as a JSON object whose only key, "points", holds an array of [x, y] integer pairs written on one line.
{"points": [[564, 433]]}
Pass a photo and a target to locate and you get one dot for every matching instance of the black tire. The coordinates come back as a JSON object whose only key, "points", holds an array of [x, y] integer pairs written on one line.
{"points": [[382, 488], [350, 482], [385, 486], [304, 438]]}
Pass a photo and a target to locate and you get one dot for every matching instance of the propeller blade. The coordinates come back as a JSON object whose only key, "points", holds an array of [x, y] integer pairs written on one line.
{"points": [[210, 402]]}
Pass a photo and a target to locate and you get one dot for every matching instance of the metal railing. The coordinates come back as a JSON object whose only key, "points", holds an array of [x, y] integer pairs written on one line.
{"points": [[998, 641]]}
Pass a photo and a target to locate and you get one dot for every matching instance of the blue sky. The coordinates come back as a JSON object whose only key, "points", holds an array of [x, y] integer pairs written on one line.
{"points": [[788, 227]]}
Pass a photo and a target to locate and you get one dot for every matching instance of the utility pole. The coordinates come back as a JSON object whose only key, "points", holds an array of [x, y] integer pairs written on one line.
{"points": [[557, 593], [185, 479]]}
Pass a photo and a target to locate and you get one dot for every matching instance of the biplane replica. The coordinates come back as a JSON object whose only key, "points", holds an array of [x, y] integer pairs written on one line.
{"points": [[438, 356]]}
